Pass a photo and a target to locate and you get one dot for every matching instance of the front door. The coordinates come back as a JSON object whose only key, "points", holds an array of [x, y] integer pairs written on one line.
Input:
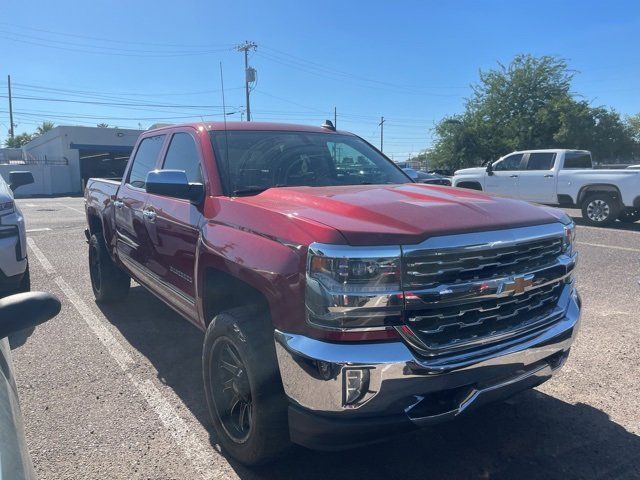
{"points": [[132, 240], [174, 231], [504, 178], [537, 182]]}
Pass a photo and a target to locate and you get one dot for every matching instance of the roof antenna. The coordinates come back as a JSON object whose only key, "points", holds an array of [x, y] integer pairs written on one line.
{"points": [[226, 134]]}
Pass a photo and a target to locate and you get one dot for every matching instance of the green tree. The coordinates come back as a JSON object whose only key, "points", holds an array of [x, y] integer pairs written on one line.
{"points": [[18, 140], [528, 104], [634, 126], [43, 128]]}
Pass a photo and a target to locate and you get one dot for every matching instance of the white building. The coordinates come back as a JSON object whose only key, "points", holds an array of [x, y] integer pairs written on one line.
{"points": [[64, 158]]}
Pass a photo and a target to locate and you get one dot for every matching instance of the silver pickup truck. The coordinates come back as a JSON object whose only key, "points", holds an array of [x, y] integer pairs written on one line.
{"points": [[560, 177]]}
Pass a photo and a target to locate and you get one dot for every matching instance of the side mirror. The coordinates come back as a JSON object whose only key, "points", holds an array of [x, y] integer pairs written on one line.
{"points": [[489, 169], [18, 179], [26, 310], [174, 183]]}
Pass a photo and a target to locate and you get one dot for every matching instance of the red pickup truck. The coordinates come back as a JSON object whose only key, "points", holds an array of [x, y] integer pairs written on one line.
{"points": [[342, 302]]}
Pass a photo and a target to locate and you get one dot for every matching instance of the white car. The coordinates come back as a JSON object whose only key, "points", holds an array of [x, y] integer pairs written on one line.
{"points": [[560, 177], [14, 266]]}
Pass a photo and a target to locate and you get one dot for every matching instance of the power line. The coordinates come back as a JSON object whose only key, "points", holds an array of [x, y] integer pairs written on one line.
{"points": [[97, 49], [88, 102], [121, 94], [301, 60], [348, 78], [109, 40]]}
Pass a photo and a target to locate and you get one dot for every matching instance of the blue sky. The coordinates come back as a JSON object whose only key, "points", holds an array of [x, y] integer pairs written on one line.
{"points": [[410, 61]]}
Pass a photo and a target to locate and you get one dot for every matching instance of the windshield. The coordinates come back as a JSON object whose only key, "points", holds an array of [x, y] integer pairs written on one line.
{"points": [[253, 161]]}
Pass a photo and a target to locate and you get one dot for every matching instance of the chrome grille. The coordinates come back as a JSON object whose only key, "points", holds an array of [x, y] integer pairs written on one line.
{"points": [[465, 292], [456, 326], [436, 268]]}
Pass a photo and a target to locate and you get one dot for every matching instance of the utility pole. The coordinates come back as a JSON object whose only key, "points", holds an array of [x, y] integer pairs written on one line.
{"points": [[245, 47], [381, 125], [335, 117], [10, 108]]}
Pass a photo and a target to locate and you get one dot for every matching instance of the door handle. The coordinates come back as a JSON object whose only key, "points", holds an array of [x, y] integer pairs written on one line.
{"points": [[513, 176], [149, 215], [118, 203], [548, 175]]}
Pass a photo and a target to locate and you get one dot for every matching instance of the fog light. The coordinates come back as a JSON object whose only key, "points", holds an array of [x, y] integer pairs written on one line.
{"points": [[355, 385]]}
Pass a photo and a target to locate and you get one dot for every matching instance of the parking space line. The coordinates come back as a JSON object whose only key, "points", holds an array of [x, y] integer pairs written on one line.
{"points": [[613, 247], [31, 230], [601, 229], [74, 209], [202, 456], [40, 256]]}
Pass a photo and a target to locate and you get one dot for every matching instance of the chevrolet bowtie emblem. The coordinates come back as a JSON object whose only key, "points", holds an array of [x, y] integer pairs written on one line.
{"points": [[518, 284]]}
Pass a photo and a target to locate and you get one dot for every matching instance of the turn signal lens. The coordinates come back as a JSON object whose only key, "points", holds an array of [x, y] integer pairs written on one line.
{"points": [[569, 238]]}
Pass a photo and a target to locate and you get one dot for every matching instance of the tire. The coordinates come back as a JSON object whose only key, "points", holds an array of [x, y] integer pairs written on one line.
{"points": [[629, 215], [600, 209], [108, 282], [242, 339]]}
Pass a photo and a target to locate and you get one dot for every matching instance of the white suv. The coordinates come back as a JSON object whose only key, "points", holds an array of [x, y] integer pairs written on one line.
{"points": [[14, 266]]}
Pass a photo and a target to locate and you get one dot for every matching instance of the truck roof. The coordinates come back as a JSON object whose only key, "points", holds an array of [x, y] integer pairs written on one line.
{"points": [[551, 150], [217, 125]]}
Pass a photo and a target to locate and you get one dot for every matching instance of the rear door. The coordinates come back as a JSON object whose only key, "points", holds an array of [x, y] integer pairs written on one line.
{"points": [[174, 225], [504, 180], [132, 241], [537, 182]]}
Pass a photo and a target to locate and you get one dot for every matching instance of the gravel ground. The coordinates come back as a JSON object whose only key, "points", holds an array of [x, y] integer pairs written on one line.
{"points": [[139, 413]]}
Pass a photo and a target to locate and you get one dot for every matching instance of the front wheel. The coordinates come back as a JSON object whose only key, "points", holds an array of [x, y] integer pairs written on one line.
{"points": [[629, 215], [600, 209], [242, 385], [108, 282]]}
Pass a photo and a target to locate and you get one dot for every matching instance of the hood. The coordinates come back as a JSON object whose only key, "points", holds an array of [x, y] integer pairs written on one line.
{"points": [[470, 171], [400, 214]]}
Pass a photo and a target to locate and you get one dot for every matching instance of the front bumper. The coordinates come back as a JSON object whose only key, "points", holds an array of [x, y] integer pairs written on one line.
{"points": [[404, 390], [13, 250]]}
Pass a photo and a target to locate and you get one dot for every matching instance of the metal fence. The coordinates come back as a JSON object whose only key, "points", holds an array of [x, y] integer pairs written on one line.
{"points": [[32, 160]]}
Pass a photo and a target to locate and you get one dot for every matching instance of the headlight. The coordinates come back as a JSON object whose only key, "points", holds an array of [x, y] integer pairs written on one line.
{"points": [[569, 238], [7, 207], [353, 287]]}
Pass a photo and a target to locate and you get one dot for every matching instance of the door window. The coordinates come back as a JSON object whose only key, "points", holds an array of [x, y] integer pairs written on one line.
{"points": [[145, 160], [541, 161], [182, 154], [512, 162]]}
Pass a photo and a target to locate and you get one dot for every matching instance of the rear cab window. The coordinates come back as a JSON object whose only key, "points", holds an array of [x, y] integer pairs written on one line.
{"points": [[145, 160], [541, 161], [577, 160]]}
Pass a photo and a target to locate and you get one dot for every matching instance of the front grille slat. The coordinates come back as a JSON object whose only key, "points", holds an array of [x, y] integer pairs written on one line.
{"points": [[445, 326]]}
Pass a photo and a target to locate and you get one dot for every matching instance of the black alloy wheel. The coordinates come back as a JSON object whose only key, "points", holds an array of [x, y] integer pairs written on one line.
{"points": [[230, 390]]}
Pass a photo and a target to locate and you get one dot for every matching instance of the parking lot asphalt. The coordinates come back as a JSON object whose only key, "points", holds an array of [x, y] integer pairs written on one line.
{"points": [[116, 392]]}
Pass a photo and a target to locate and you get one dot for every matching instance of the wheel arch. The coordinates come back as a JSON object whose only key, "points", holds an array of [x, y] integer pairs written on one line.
{"points": [[238, 268], [223, 291], [597, 188], [94, 221], [469, 184]]}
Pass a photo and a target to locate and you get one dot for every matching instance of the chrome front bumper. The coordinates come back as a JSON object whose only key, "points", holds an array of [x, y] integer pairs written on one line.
{"points": [[418, 389]]}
